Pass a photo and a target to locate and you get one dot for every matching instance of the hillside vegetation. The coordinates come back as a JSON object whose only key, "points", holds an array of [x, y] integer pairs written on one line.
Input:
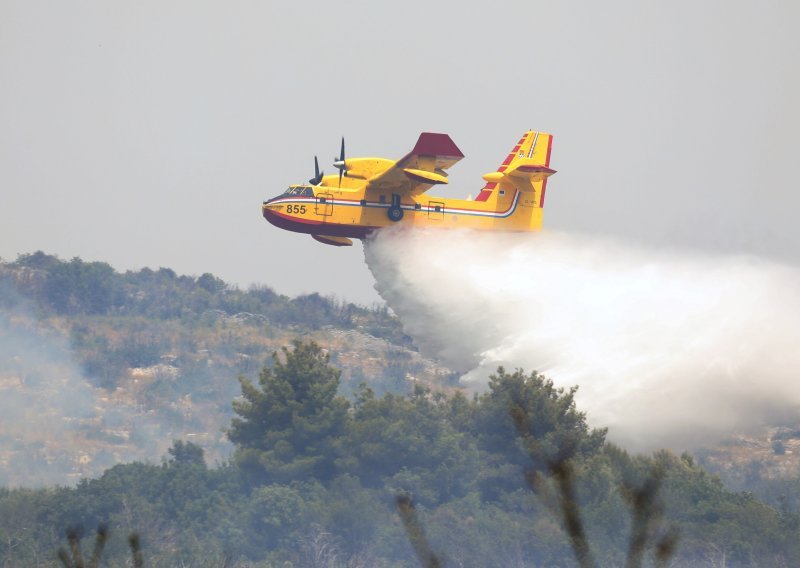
{"points": [[113, 366], [243, 428], [315, 477]]}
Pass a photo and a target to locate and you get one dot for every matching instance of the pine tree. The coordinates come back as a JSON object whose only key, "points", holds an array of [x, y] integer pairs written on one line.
{"points": [[288, 426]]}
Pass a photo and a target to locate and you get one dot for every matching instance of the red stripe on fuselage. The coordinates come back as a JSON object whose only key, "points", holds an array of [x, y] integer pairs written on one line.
{"points": [[311, 227]]}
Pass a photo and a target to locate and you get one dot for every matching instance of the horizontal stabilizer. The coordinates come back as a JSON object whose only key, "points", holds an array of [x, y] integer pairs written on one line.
{"points": [[521, 169], [532, 171], [334, 241], [526, 167]]}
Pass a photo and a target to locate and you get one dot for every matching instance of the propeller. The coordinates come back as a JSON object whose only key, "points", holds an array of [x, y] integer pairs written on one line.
{"points": [[339, 163], [317, 174]]}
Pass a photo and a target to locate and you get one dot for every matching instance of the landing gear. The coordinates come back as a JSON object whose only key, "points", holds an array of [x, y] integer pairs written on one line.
{"points": [[395, 212]]}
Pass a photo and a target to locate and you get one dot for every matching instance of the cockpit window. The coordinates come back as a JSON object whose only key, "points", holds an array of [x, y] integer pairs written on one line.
{"points": [[304, 191]]}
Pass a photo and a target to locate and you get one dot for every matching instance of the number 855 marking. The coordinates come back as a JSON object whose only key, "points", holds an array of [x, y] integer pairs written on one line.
{"points": [[301, 209]]}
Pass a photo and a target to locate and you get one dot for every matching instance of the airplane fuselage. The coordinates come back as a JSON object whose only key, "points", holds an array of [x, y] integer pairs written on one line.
{"points": [[346, 213], [372, 193]]}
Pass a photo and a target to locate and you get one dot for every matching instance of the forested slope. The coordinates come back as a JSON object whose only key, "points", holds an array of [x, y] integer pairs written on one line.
{"points": [[154, 402], [113, 366], [318, 480]]}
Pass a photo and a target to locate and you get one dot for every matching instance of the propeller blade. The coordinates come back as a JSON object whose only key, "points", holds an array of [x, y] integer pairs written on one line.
{"points": [[340, 163], [317, 174]]}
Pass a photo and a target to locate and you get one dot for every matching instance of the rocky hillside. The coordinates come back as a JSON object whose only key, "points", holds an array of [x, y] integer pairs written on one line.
{"points": [[746, 460], [99, 367]]}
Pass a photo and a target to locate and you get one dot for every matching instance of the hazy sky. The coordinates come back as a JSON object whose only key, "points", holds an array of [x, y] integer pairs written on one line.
{"points": [[148, 133]]}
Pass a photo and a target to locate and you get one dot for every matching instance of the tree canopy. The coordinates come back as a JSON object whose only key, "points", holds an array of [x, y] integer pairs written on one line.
{"points": [[315, 478], [288, 426]]}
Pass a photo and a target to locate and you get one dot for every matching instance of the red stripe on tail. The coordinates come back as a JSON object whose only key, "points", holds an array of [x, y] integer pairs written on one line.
{"points": [[546, 163]]}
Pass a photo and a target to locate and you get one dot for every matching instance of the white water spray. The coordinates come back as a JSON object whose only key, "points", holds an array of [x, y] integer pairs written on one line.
{"points": [[668, 349]]}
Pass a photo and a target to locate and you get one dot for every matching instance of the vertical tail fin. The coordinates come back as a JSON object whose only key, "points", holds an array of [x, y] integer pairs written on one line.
{"points": [[526, 167]]}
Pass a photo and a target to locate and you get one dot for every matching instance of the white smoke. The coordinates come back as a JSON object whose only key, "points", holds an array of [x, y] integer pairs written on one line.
{"points": [[668, 348], [44, 403], [55, 426]]}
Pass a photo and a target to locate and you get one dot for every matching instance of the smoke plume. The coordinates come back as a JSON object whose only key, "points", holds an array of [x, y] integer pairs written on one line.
{"points": [[668, 348], [43, 403], [55, 426]]}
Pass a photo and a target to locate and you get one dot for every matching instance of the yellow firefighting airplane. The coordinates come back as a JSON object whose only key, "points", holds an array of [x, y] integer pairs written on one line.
{"points": [[371, 193]]}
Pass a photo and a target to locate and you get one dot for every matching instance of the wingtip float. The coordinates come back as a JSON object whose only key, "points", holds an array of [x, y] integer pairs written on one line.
{"points": [[368, 194]]}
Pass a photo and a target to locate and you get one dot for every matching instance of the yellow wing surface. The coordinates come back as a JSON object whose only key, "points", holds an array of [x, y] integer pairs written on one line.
{"points": [[416, 172]]}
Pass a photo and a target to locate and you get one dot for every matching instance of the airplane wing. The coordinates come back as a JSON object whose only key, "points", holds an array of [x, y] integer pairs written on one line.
{"points": [[420, 169]]}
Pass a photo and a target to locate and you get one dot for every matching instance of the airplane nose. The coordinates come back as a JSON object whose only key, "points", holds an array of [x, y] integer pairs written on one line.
{"points": [[267, 211], [269, 202]]}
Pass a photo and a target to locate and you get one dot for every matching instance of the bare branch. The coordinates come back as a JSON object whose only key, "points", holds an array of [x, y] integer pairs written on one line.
{"points": [[415, 532]]}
